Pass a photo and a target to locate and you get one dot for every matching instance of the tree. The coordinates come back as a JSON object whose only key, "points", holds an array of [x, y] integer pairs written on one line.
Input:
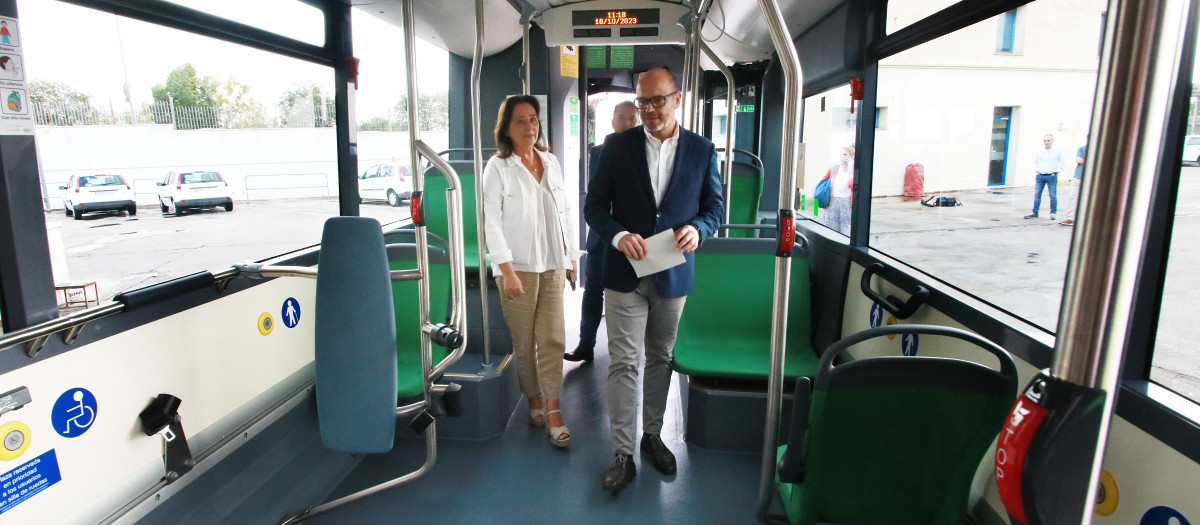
{"points": [[57, 104], [187, 89], [238, 108], [304, 106], [432, 108]]}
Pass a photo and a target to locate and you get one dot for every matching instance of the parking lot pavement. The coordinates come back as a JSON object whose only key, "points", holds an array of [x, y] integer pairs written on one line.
{"points": [[124, 253]]}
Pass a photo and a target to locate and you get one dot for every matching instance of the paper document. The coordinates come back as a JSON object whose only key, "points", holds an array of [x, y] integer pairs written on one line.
{"points": [[660, 254]]}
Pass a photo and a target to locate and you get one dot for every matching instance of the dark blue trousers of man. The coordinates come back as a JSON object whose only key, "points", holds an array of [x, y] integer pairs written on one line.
{"points": [[593, 300]]}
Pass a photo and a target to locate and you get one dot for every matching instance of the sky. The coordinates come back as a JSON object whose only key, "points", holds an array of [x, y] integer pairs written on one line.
{"points": [[93, 52]]}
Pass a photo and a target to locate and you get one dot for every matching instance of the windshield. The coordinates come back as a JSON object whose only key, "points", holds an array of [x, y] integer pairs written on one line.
{"points": [[100, 180], [192, 178]]}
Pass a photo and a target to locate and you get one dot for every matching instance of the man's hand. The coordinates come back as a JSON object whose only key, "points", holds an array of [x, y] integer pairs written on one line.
{"points": [[687, 239], [633, 246]]}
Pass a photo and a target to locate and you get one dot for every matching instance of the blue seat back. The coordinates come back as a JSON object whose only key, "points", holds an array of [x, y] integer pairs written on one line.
{"points": [[355, 338]]}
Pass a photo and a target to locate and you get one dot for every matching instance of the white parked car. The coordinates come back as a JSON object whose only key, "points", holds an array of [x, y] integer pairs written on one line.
{"points": [[386, 182], [182, 191], [1191, 149], [88, 193]]}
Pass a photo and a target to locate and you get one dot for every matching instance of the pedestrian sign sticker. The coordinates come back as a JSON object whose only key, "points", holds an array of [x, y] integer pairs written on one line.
{"points": [[74, 413], [290, 313], [908, 344], [27, 480], [876, 315]]}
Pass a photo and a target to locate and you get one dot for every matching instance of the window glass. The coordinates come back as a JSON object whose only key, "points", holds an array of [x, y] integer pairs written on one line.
{"points": [[829, 133], [381, 105], [1006, 32], [290, 18], [248, 132], [904, 13], [1176, 361], [966, 122]]}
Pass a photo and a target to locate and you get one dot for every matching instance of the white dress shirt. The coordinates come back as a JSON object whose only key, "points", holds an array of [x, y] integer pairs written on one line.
{"points": [[1049, 160], [660, 162]]}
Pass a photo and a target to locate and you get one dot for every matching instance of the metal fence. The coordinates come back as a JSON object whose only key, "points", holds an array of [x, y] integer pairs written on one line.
{"points": [[182, 117]]}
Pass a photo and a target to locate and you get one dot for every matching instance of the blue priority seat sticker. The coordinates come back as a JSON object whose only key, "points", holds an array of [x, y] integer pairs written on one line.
{"points": [[28, 480]]}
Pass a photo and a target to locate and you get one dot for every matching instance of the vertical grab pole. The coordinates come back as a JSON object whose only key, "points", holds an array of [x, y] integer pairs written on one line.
{"points": [[414, 137], [688, 58], [793, 82], [526, 21], [476, 137], [730, 99]]}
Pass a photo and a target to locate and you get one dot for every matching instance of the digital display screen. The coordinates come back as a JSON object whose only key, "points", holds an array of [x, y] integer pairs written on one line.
{"points": [[639, 31], [614, 17], [599, 32]]}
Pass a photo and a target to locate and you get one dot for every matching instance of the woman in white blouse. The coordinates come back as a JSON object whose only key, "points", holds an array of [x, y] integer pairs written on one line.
{"points": [[530, 222]]}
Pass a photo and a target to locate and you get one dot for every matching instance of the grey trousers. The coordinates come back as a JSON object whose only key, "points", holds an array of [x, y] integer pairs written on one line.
{"points": [[633, 319]]}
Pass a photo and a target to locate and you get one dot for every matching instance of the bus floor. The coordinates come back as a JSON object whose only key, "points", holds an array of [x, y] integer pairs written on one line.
{"points": [[519, 477]]}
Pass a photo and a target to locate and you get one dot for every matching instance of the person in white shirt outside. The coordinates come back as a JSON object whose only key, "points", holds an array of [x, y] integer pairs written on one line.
{"points": [[1073, 200], [842, 185], [1050, 161], [530, 220]]}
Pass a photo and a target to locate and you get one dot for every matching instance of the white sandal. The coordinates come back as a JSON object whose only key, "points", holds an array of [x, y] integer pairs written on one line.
{"points": [[537, 417], [559, 436]]}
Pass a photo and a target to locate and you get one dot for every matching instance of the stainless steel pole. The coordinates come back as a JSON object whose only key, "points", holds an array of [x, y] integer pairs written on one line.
{"points": [[730, 101], [1128, 123], [477, 146], [793, 82]]}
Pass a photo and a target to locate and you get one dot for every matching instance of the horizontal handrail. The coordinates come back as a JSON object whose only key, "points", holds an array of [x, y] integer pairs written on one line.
{"points": [[38, 334]]}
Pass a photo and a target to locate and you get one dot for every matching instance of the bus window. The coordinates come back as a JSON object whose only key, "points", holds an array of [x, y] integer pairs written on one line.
{"points": [[988, 129], [219, 153], [290, 18], [1176, 362], [829, 132], [902, 14]]}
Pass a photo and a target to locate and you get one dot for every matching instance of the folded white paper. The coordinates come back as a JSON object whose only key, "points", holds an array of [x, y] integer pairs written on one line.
{"points": [[660, 254]]}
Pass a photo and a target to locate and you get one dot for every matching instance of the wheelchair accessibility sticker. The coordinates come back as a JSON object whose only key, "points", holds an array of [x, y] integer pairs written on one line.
{"points": [[908, 344], [290, 313], [74, 413], [876, 315]]}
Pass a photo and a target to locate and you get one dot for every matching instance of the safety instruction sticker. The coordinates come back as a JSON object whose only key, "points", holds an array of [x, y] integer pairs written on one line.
{"points": [[74, 413], [909, 344], [876, 315], [26, 481], [1164, 515], [290, 313], [16, 113]]}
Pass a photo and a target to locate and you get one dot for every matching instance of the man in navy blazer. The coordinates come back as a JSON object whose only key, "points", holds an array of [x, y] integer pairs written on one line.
{"points": [[649, 179]]}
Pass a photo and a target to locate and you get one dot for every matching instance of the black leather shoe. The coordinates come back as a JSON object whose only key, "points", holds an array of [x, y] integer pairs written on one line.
{"points": [[583, 352], [660, 455], [619, 474]]}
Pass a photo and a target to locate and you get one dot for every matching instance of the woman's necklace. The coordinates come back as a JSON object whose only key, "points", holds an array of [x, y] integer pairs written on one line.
{"points": [[533, 166]]}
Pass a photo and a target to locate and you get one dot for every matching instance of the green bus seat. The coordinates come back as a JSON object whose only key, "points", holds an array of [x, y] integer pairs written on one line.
{"points": [[725, 330], [746, 194], [406, 303], [435, 209], [892, 440]]}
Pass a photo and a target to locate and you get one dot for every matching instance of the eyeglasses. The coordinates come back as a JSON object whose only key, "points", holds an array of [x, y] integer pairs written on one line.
{"points": [[657, 102]]}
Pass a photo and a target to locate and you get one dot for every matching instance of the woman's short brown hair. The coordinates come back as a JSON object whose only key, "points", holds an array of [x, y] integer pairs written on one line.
{"points": [[504, 143]]}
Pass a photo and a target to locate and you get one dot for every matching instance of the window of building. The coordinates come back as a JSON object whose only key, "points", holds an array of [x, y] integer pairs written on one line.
{"points": [[1006, 33]]}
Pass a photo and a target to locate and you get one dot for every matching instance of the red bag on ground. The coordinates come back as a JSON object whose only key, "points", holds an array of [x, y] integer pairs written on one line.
{"points": [[914, 181]]}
